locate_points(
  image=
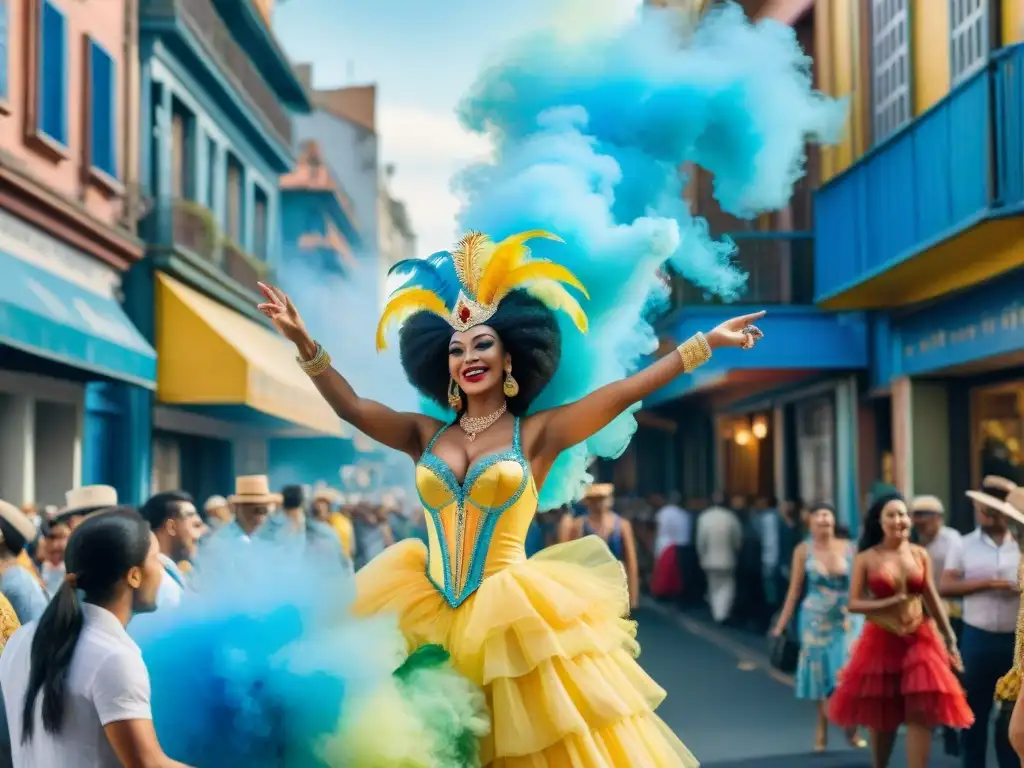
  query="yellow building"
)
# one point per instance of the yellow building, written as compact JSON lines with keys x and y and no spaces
{"x":918,"y":223}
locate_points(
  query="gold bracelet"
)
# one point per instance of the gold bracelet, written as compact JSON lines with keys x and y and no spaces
{"x":319,"y":363}
{"x":695,"y":351}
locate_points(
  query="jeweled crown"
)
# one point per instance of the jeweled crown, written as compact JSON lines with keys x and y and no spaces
{"x":479,"y":273}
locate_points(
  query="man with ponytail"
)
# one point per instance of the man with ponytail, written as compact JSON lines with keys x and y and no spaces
{"x":76,"y":690}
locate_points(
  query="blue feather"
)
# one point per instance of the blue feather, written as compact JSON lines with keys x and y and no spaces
{"x":435,"y":273}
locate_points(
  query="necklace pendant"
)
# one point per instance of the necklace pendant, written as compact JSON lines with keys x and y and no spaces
{"x":471,"y":436}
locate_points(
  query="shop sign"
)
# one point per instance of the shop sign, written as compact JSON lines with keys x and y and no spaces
{"x":971,"y":326}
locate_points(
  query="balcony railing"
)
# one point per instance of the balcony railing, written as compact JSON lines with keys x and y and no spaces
{"x":202,"y":20}
{"x":957,"y":163}
{"x":187,"y":226}
{"x":779,"y":267}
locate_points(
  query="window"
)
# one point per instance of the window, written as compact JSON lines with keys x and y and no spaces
{"x":259,"y":216}
{"x":968,"y":38}
{"x":52,"y":74}
{"x":103,"y":110}
{"x":815,"y":446}
{"x":235,"y":190}
{"x":890,"y":66}
{"x":5,"y":55}
{"x":182,"y":152}
{"x":211,"y":172}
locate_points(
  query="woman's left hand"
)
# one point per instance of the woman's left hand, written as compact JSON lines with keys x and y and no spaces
{"x":955,"y":660}
{"x":739,"y":332}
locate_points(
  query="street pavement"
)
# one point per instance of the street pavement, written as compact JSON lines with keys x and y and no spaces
{"x":730,"y":707}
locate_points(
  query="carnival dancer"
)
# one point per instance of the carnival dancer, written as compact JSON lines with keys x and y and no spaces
{"x":480,"y":336}
{"x":826,"y":630}
{"x":900,"y":673}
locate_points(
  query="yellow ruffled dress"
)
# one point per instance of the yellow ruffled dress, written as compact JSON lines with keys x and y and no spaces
{"x":544,"y":637}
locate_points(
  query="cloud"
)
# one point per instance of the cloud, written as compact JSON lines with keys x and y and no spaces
{"x":427,"y":148}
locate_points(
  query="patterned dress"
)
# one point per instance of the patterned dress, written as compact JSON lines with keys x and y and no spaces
{"x":827,"y":629}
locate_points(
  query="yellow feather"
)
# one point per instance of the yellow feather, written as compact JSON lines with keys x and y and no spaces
{"x":541,"y":270}
{"x":405,"y":303}
{"x":507,"y":255}
{"x":556,"y":298}
{"x":469,"y":256}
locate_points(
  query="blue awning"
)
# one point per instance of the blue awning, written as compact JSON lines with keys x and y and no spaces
{"x":48,"y":316}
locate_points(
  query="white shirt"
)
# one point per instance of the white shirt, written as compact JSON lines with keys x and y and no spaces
{"x":938,"y":549}
{"x":977,"y":556}
{"x":172,"y":584}
{"x":719,"y":538}
{"x":107,"y":682}
{"x":768,"y":522}
{"x":673,"y":528}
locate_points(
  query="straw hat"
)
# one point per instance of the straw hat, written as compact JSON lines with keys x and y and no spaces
{"x":930,"y":505}
{"x":18,"y":520}
{"x":253,"y":489}
{"x":994,"y":494}
{"x":88,"y":498}
{"x":1012,"y":507}
{"x":599,"y":491}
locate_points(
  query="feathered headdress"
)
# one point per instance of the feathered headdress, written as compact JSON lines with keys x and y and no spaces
{"x":465,"y":286}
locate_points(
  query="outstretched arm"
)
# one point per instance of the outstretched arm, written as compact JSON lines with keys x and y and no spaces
{"x":406,"y":432}
{"x":571,"y":424}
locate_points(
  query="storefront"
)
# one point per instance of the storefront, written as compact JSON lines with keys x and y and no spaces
{"x":71,"y":364}
{"x":226,"y":387}
{"x":956,"y":375}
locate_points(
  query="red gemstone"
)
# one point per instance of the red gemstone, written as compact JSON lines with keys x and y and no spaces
{"x":464,"y":313}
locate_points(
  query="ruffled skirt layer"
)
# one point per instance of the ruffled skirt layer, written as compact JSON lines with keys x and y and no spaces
{"x":546,"y":641}
{"x":892,"y":679}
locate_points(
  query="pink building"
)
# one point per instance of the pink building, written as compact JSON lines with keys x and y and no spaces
{"x":68,"y":154}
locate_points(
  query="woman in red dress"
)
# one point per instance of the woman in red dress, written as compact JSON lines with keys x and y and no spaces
{"x":900,"y":672}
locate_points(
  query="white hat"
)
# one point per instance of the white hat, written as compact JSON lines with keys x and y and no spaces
{"x":88,"y":498}
{"x":215,"y":502}
{"x":18,"y":520}
{"x":1012,"y":508}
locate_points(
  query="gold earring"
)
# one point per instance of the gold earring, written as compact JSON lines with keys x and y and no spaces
{"x":454,"y":396}
{"x":510,"y":386}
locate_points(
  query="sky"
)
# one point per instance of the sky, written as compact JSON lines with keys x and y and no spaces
{"x":423,"y":56}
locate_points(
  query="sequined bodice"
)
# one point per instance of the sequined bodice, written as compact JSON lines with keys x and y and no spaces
{"x":882,"y":583}
{"x":480,"y":526}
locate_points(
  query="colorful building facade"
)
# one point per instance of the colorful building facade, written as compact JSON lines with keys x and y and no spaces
{"x":217,"y":99}
{"x":918,"y":224}
{"x":71,"y":362}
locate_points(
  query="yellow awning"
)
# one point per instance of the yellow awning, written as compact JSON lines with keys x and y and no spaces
{"x":209,"y":355}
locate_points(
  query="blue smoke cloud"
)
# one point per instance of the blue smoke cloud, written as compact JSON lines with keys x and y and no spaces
{"x":590,"y":134}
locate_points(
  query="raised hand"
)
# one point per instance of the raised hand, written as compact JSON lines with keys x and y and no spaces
{"x":283,"y":314}
{"x":738,"y":332}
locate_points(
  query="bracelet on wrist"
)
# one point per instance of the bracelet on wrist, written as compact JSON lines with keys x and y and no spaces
{"x":694,"y":352}
{"x":317,"y":364}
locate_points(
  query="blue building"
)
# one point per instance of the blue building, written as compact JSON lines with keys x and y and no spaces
{"x":920,"y":226}
{"x":216,"y":102}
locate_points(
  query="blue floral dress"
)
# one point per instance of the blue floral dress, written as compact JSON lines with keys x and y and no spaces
{"x":827,"y":630}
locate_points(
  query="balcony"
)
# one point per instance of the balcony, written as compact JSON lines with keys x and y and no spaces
{"x":200,"y":20}
{"x":186,"y":241}
{"x":800,"y":340}
{"x":936,"y":207}
{"x":779,"y":267}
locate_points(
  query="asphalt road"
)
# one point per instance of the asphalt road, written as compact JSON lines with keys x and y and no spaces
{"x":731,"y":708}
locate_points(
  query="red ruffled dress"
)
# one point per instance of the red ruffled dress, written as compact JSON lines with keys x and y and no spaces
{"x":892,"y":679}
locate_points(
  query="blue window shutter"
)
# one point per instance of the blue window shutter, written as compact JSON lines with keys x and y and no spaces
{"x":5,"y":26}
{"x":103,"y":78}
{"x":53,"y":73}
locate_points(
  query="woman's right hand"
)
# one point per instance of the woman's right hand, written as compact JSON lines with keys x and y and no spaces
{"x":776,"y":631}
{"x":283,"y":314}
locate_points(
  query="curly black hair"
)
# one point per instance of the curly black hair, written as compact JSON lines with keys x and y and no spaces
{"x":871,"y":533}
{"x":528,"y":331}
